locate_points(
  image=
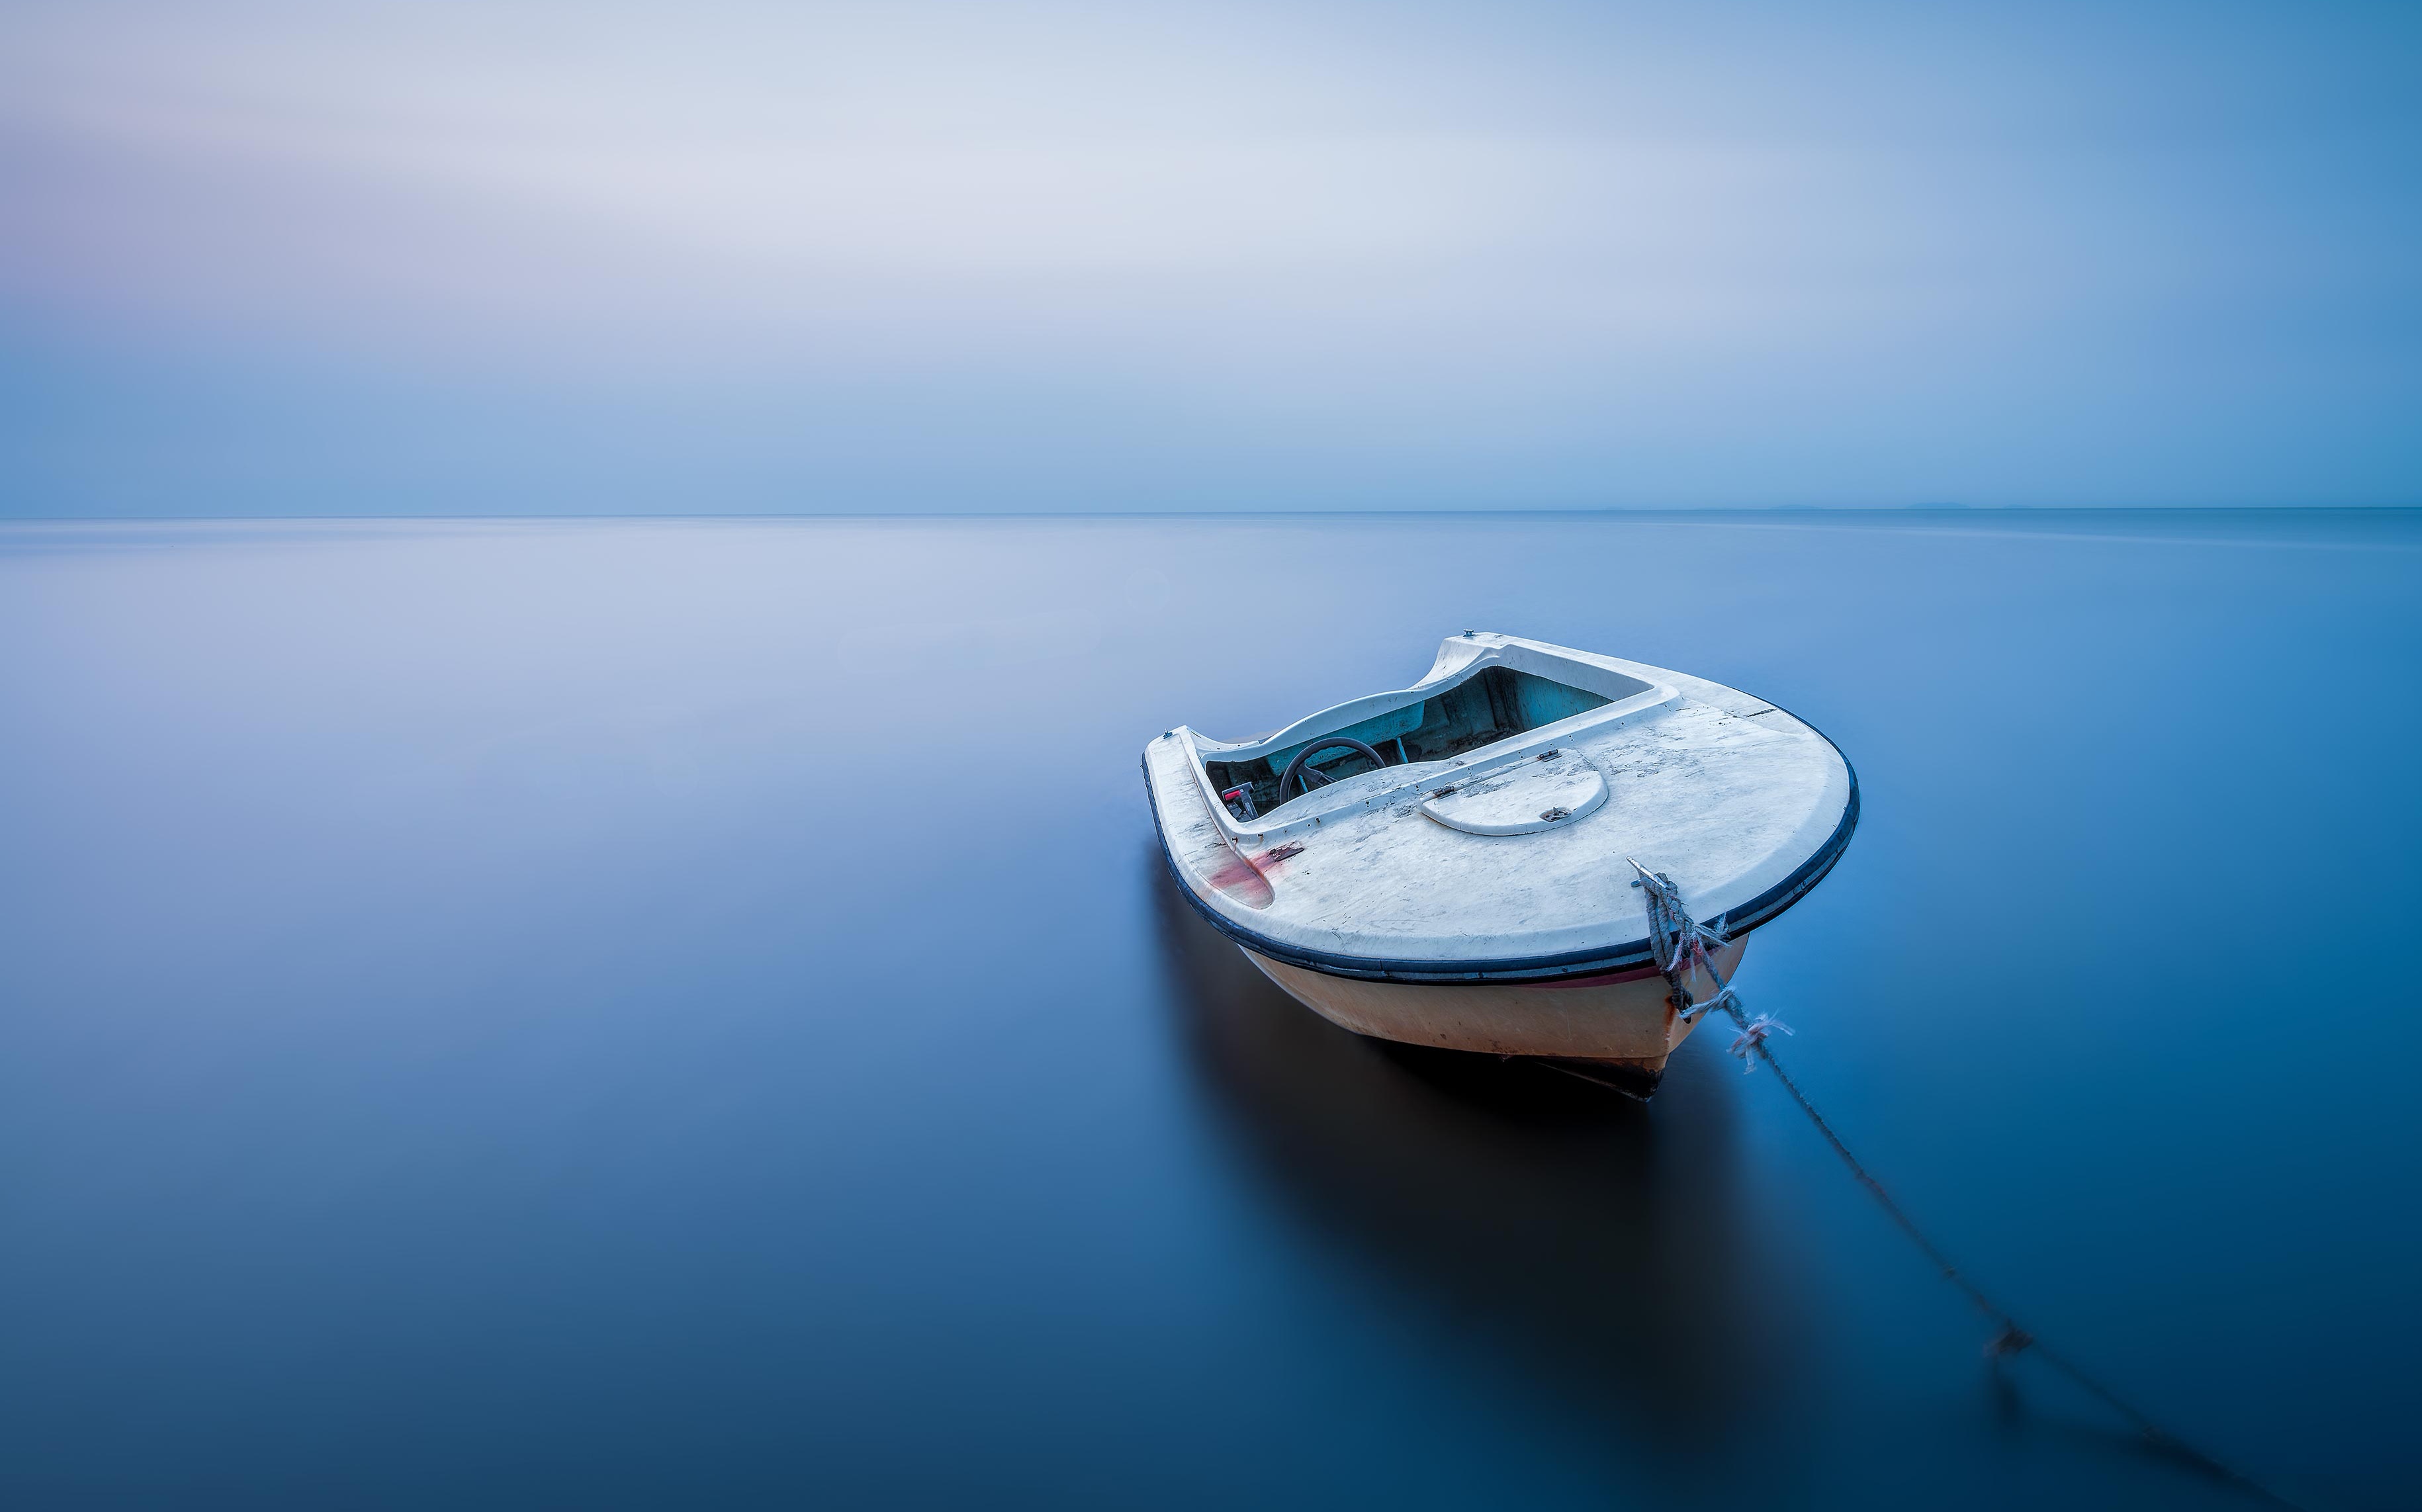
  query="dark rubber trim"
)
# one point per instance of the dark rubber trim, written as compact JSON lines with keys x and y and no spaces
{"x":1758,"y":910}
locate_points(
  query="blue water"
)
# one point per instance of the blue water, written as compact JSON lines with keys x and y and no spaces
{"x":689,"y":1014}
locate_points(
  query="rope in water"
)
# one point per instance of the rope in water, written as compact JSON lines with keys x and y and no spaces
{"x":1681,"y":943}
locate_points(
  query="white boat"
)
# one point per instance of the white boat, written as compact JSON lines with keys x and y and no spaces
{"x":1452,"y":864}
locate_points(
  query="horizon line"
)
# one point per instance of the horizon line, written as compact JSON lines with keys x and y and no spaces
{"x":1416,"y":512}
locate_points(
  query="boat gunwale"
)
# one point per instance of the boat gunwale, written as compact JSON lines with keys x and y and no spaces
{"x":1762,"y":909}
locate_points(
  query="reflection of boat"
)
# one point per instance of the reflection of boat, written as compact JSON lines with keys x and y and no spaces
{"x":1447,"y":864}
{"x":1605,"y":1248}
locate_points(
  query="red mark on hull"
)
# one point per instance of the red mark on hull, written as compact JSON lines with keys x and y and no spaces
{"x":1236,"y":878}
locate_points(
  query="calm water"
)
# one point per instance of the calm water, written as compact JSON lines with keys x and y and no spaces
{"x":637,"y":1014}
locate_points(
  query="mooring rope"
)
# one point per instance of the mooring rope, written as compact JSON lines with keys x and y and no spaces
{"x":1680,"y":943}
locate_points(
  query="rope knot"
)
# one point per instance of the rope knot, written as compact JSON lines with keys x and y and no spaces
{"x":1725,"y":998}
{"x":1676,"y":940}
{"x":1751,"y":1042}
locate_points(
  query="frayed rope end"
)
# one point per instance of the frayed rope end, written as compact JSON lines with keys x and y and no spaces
{"x":1752,"y":1038}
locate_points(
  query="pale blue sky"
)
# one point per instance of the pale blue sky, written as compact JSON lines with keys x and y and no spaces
{"x":334,"y":259}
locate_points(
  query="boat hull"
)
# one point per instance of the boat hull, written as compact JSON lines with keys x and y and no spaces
{"x":1623,"y":1021}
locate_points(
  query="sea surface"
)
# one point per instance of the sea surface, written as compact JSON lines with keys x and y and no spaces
{"x":633,"y":1014}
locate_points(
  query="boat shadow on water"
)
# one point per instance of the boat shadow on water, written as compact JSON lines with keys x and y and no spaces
{"x":1603,"y":1247}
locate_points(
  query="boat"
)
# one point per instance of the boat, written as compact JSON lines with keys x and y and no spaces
{"x":1477,"y":861}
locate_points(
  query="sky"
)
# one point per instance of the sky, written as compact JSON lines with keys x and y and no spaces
{"x":331,"y":259}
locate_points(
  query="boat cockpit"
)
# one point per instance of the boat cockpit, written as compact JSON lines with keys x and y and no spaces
{"x":1493,"y":704}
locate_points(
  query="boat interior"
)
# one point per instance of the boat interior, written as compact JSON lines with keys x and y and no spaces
{"x":1492,"y":705}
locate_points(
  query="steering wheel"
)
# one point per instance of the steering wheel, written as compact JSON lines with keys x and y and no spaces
{"x":1305,"y":778}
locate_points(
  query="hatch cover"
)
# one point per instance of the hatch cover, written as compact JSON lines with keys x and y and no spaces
{"x":1523,"y":799}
